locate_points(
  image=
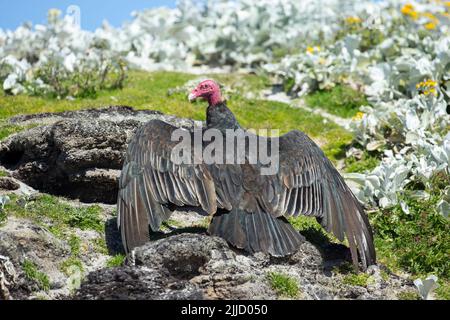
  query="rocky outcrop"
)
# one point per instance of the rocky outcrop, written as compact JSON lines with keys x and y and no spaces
{"x":197,"y":266}
{"x":77,"y":154}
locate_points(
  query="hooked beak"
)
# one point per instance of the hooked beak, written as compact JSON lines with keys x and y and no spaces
{"x":192,"y":97}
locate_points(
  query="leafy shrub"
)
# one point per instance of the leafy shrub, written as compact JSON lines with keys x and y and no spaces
{"x":418,"y":241}
{"x":85,"y":81}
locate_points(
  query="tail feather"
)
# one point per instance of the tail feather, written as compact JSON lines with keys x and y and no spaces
{"x":256,"y":232}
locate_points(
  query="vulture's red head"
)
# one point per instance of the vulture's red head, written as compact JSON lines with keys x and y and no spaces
{"x":208,"y":90}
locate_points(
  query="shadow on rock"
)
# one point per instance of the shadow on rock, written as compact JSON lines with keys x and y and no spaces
{"x":113,"y":238}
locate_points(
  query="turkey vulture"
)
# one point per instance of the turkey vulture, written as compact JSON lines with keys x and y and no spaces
{"x":248,"y":209}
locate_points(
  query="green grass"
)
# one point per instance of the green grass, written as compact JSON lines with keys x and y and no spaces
{"x":443,"y":292}
{"x":32,"y":273}
{"x":358,"y":279}
{"x":67,"y":265}
{"x":57,"y":215}
{"x":9,"y":129}
{"x":341,"y":100}
{"x":284,"y":285}
{"x":100,"y":245}
{"x":408,"y":295}
{"x":145,"y":90}
{"x":75,"y":244}
{"x":367,"y":163}
{"x":3,"y":217}
{"x":311,"y":230}
{"x":116,"y":261}
{"x":169,"y":224}
{"x":418,"y":242}
{"x":60,"y":218}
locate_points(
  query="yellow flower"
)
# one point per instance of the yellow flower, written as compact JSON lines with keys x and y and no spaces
{"x":311,"y":50}
{"x":430,"y":26}
{"x":358,"y":116}
{"x":427,"y":87}
{"x":408,"y":10}
{"x":353,"y":20}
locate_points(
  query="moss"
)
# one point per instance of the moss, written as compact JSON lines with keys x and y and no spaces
{"x":32,"y":273}
{"x":284,"y":285}
{"x":408,"y":295}
{"x":341,"y":100}
{"x":358,"y":279}
{"x":116,"y":261}
{"x":3,"y":173}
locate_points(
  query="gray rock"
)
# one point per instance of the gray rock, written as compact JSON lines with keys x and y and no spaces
{"x":199,"y":266}
{"x":129,"y":283}
{"x":77,"y":154}
{"x":20,"y":241}
{"x":8,"y":277}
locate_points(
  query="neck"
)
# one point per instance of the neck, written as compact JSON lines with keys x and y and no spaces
{"x":215,"y":99}
{"x":220,"y":117}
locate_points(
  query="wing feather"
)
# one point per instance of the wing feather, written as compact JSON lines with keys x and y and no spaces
{"x":310,"y":185}
{"x":150,"y":182}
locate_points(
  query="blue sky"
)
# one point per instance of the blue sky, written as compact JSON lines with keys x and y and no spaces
{"x":14,"y":12}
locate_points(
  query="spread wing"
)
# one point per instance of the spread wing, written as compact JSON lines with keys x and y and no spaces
{"x":150,"y":181}
{"x":308,"y":184}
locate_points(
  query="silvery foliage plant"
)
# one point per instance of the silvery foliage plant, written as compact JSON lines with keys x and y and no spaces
{"x":414,"y":136}
{"x":244,"y":34}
